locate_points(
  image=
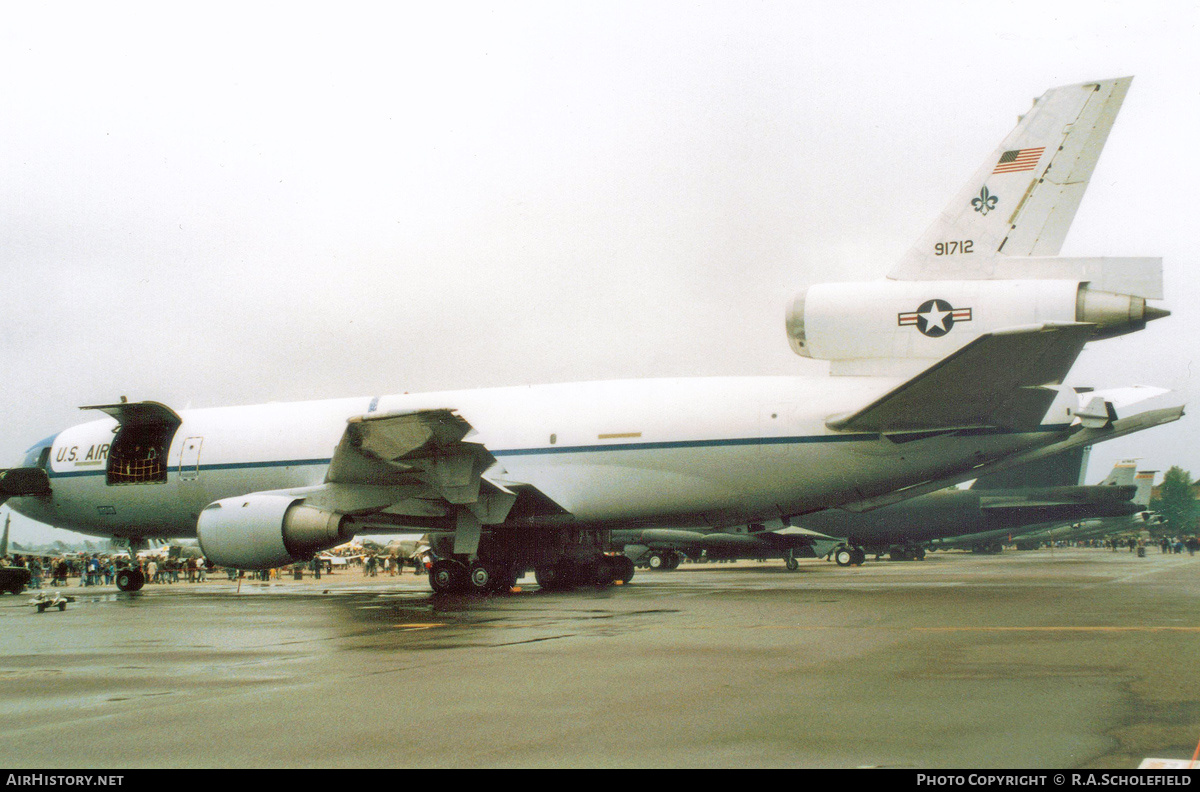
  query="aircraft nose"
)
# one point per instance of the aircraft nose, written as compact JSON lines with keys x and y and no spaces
{"x":38,"y":454}
{"x":31,"y":477}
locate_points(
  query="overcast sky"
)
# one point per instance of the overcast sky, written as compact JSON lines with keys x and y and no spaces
{"x":230,"y":203}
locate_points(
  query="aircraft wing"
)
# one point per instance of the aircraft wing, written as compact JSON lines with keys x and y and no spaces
{"x":418,"y":469}
{"x":995,"y":381}
{"x":1083,"y":437}
{"x":1053,"y":497}
{"x":1023,"y":198}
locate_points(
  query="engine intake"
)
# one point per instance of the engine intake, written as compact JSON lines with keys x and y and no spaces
{"x":266,"y":531}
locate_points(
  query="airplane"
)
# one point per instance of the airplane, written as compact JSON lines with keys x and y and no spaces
{"x":958,"y":359}
{"x":904,"y":530}
{"x":1032,"y":495}
{"x":663,"y":548}
{"x":1123,"y":477}
{"x":1139,"y":520}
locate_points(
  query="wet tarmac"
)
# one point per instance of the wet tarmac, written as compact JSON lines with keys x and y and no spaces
{"x":1045,"y":659}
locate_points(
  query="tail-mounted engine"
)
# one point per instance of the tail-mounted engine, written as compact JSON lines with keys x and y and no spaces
{"x":890,"y":319}
{"x":261,"y":531}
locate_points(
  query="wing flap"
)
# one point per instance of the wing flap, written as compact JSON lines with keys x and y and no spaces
{"x":419,"y":464}
{"x":995,"y":381}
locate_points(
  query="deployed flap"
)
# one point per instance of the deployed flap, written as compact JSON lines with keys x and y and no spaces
{"x":1023,"y":198}
{"x":425,"y":454}
{"x":994,"y":381}
{"x":385,"y":448}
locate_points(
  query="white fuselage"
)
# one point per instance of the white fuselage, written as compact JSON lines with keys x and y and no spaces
{"x":717,"y":451}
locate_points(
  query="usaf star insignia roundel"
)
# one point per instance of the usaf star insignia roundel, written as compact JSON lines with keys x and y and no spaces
{"x":934,"y":318}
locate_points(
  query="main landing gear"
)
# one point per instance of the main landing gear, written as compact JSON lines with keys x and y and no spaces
{"x":452,"y":576}
{"x":907,"y":553}
{"x":560,"y":561}
{"x":844,"y":555}
{"x":663,"y":559}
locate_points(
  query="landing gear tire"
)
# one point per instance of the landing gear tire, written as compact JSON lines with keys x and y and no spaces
{"x":792,"y":564}
{"x":624,"y":569}
{"x":552,"y":578}
{"x":859,"y":556}
{"x":673,"y":560}
{"x":843,"y":556}
{"x":605,"y":573}
{"x":130,"y":580}
{"x":657,"y":561}
{"x":481,"y":578}
{"x":447,"y":577}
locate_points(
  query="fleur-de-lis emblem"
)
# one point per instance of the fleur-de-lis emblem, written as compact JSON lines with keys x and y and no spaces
{"x":986,"y":202}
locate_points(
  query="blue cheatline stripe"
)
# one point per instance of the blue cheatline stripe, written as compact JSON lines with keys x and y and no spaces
{"x":585,"y":449}
{"x":174,"y":469}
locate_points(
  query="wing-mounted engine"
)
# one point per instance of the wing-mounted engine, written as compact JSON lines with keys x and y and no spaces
{"x":860,"y":325}
{"x":265,"y":530}
{"x":392,"y":470}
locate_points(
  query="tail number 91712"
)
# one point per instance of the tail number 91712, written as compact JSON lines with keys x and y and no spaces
{"x":953,"y":248}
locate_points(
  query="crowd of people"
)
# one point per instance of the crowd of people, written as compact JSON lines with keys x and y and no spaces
{"x":97,"y":569}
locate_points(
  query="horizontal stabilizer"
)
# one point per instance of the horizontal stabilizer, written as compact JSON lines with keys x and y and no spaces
{"x":995,"y":381}
{"x":1140,"y":277}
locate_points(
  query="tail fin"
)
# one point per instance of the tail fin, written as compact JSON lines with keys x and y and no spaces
{"x":1023,"y":198}
{"x":1122,"y":474}
{"x":1061,"y":470}
{"x":990,"y":261}
{"x":1145,"y":484}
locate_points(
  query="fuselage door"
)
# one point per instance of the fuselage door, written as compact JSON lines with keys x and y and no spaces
{"x":138,"y":453}
{"x":189,"y":459}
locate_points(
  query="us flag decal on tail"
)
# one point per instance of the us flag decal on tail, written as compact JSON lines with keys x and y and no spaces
{"x":1019,"y":160}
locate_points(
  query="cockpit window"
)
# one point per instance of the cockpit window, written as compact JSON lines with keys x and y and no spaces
{"x":38,"y":454}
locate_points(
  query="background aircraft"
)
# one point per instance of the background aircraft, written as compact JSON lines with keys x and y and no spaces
{"x":1032,"y":495}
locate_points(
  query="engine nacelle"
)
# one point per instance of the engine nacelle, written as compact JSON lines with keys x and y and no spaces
{"x":930,"y":319}
{"x":261,"y":531}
